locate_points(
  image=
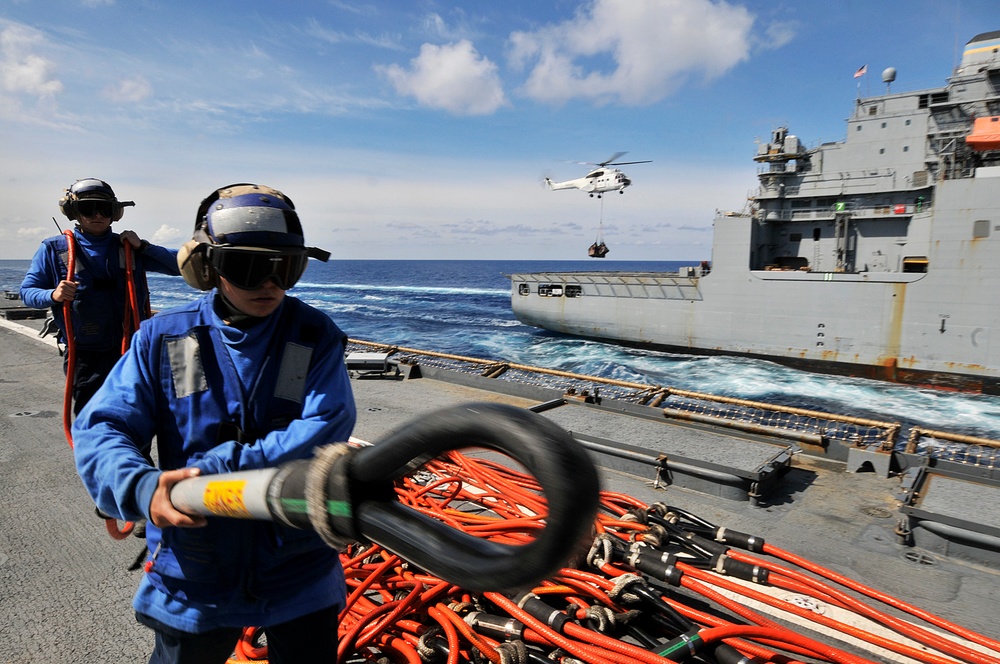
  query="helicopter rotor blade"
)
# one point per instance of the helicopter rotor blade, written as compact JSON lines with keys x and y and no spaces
{"x":623,"y":163}
{"x":611,"y":158}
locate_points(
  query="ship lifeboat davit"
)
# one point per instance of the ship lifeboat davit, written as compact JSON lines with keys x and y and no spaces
{"x":985,"y":134}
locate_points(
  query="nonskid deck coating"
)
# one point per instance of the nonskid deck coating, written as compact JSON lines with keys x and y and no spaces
{"x":720,"y":450}
{"x":961,"y":500}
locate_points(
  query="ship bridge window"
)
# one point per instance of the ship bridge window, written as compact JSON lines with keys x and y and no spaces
{"x":925,"y":100}
{"x":981,"y":228}
{"x":574,"y":290}
{"x":915,"y":263}
{"x":523,"y":289}
{"x":550,"y":290}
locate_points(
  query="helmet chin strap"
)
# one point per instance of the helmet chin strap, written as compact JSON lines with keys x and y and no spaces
{"x":83,"y":230}
{"x":232,"y":316}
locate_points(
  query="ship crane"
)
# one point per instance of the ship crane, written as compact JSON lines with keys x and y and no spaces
{"x":782,"y":147}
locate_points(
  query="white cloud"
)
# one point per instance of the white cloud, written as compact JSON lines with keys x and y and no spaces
{"x":453,"y":77}
{"x":129,"y":90}
{"x":632,"y":51}
{"x":440,"y":30}
{"x":33,"y":233}
{"x":169,"y":236}
{"x":21,"y":70}
{"x":778,"y":34}
{"x":385,"y":40}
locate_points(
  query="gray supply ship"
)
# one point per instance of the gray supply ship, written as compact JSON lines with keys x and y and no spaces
{"x":876,"y":256}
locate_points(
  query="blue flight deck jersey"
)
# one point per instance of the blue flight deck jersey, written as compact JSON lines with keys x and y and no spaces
{"x":224,"y":400}
{"x":99,"y":307}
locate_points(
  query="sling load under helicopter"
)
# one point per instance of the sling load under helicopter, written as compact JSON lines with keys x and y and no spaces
{"x":598,"y":249}
{"x":601,"y":179}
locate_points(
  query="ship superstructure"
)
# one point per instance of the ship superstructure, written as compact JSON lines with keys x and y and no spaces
{"x":877,"y":255}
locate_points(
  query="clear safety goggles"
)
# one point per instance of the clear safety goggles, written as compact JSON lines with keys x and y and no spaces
{"x":251,"y":267}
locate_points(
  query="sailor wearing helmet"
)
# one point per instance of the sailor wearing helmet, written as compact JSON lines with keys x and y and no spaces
{"x":243,"y":378}
{"x":98,"y":290}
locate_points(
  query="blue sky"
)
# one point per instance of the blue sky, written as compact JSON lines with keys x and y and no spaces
{"x":423,"y":129}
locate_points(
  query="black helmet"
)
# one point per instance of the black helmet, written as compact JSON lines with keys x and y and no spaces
{"x":91,"y":189}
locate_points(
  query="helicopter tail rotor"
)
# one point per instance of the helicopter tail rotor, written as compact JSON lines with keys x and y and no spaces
{"x":545,"y":180}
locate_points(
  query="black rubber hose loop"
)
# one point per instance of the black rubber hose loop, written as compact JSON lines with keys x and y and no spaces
{"x":561,"y":466}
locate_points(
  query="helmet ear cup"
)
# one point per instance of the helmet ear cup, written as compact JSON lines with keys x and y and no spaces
{"x":118,"y":208}
{"x":194,"y":267}
{"x":67,"y":205}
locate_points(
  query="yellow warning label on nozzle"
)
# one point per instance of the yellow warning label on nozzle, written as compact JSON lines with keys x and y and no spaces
{"x":225,"y":498}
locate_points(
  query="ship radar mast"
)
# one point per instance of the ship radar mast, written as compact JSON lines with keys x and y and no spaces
{"x":888,"y":76}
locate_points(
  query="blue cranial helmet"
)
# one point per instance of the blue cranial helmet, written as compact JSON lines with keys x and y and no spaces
{"x":249,"y":215}
{"x":247,"y":233}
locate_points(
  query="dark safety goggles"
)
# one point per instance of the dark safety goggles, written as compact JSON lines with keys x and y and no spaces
{"x":91,"y":208}
{"x":249,"y":267}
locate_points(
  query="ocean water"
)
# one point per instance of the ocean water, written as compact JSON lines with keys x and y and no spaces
{"x":463,"y":308}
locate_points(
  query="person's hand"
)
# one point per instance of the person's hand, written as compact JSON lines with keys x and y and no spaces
{"x":131,"y":238}
{"x":162,"y":512}
{"x":65,"y":291}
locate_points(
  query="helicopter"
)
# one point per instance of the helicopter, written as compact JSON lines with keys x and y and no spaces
{"x":601,"y":179}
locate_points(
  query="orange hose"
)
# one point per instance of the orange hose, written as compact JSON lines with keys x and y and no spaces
{"x":463,"y":628}
{"x":894,"y":602}
{"x":450,"y":633}
{"x":391,"y":605}
{"x":132,"y":317}
{"x":827,"y":652}
{"x":856,"y":632}
{"x":70,"y":346}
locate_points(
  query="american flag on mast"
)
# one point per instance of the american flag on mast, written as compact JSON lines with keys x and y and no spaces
{"x":861,"y":71}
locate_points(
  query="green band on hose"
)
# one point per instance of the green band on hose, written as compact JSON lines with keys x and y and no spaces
{"x":333,"y":507}
{"x":689,"y":644}
{"x":339,"y":508}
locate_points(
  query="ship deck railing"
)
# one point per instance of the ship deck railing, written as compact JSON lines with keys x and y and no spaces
{"x":805,"y":427}
{"x":856,"y":212}
{"x":964,"y":449}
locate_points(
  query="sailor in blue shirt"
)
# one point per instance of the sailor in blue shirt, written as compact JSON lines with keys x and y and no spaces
{"x":98,"y":290}
{"x":243,"y":378}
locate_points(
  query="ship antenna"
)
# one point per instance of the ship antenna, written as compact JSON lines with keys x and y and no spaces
{"x":954,"y":54}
